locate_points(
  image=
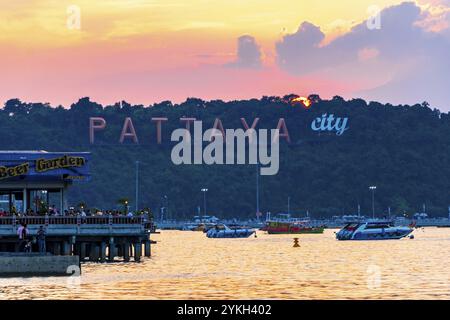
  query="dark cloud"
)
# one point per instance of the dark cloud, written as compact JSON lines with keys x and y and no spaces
{"x":248,"y":53}
{"x":416,"y":61}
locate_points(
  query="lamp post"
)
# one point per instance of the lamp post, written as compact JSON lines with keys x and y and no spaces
{"x":373,"y":188}
{"x":257,"y":191}
{"x":204,"y":190}
{"x":289,"y":205}
{"x":137,"y":186}
{"x":167,"y":206}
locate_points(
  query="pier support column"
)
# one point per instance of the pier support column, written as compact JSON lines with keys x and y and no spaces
{"x":147,"y":248}
{"x":126,"y":251}
{"x":102,"y":251}
{"x":94,"y":253}
{"x":76,"y":249}
{"x":137,"y":251}
{"x":82,"y":251}
{"x":56,"y":248}
{"x":112,"y":251}
{"x":66,"y":249}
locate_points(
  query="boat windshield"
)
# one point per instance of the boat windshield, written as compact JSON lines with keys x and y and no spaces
{"x":351,"y":226}
{"x":377,"y":226}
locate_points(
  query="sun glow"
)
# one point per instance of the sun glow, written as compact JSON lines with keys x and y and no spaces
{"x":303,"y":101}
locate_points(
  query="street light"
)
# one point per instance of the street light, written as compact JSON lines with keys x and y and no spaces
{"x":373,"y":188}
{"x":126,"y":207}
{"x":204,"y":190}
{"x":289,"y":205}
{"x":137,"y":186}
{"x":166,"y":207}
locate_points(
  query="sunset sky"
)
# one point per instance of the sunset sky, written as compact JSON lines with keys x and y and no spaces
{"x":146,"y":51}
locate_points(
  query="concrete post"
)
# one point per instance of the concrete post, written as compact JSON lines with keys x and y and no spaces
{"x":76,"y":249}
{"x":82,"y":251}
{"x":147,"y":248}
{"x":102,"y":251}
{"x":126,"y":251}
{"x":94,"y":253}
{"x":112,"y":251}
{"x":120,"y":250}
{"x":137,"y":251}
{"x":56,"y":248}
{"x":67,"y":249}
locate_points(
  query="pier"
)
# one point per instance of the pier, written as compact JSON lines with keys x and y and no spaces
{"x":28,"y":182}
{"x":94,"y":239}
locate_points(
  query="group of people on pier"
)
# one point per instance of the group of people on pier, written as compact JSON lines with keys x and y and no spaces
{"x":25,"y":243}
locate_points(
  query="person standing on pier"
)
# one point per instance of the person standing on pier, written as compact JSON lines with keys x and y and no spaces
{"x":22,"y":232}
{"x":41,"y":239}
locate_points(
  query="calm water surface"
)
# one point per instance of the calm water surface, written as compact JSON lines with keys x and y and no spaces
{"x":187,"y":265}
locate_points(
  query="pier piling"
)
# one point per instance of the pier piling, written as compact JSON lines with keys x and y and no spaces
{"x":94,"y":254}
{"x":147,"y":250}
{"x":66,"y":249}
{"x":137,"y":251}
{"x":82,"y":251}
{"x":102,"y":251}
{"x":126,"y":251}
{"x":56,"y":248}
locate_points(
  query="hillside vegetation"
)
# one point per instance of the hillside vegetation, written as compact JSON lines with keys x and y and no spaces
{"x":403,"y":150}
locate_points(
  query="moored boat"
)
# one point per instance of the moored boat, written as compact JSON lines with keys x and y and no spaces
{"x":222,"y":231}
{"x":373,"y":230}
{"x":284,"y":224}
{"x":200,"y":223}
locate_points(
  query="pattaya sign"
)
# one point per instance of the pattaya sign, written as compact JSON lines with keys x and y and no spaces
{"x":330,"y":123}
{"x":42,"y":166}
{"x":11,"y":172}
{"x":327,"y":122}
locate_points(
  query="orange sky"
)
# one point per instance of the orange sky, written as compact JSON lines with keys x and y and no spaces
{"x":144,"y":51}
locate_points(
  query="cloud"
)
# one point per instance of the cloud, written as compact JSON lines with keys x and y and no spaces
{"x":402,"y":62}
{"x":248,"y":54}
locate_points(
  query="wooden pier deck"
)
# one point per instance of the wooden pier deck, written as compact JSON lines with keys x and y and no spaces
{"x":95,"y":239}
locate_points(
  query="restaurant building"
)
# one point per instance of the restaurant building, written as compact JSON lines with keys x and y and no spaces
{"x":35,"y":179}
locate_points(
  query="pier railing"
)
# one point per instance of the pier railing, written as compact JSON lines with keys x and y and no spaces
{"x":78,"y":225}
{"x":76,"y":220}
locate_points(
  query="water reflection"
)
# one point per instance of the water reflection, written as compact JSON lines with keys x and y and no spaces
{"x":187,"y":265}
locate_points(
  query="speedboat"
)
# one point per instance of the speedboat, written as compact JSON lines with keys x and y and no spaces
{"x":373,"y":230}
{"x":222,"y":231}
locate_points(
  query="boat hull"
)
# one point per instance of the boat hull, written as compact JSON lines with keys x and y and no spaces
{"x":245,"y":233}
{"x":393,"y":233}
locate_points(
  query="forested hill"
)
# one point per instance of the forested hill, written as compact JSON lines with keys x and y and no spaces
{"x":403,"y":150}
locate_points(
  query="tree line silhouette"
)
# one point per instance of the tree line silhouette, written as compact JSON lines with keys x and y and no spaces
{"x":404,"y":150}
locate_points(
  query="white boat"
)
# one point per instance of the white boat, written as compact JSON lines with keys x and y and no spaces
{"x":222,"y":231}
{"x":373,"y":230}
